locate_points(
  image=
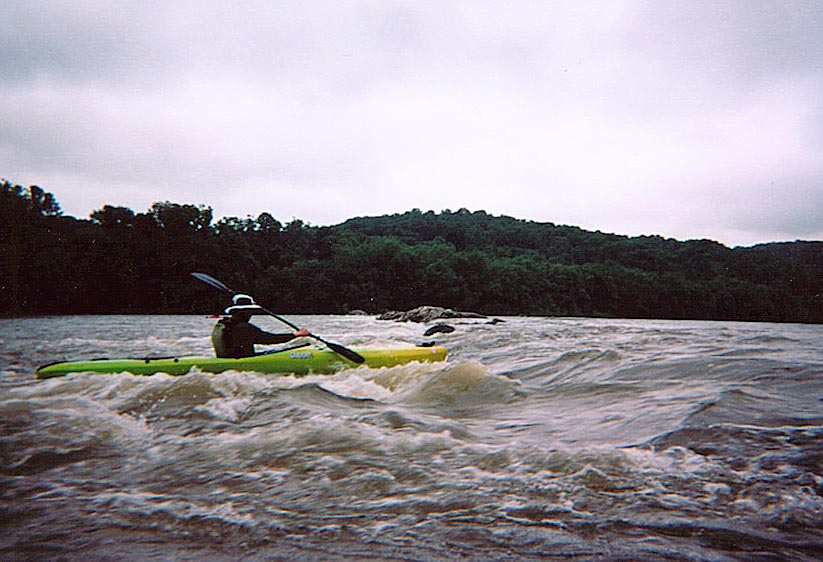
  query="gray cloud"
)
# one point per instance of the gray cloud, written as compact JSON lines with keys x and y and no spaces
{"x":688,"y":120}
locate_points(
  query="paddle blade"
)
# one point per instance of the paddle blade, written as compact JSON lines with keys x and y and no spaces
{"x":209,"y":280}
{"x":352,"y":356}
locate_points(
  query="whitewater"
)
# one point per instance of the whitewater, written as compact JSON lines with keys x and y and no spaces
{"x":537,"y":439}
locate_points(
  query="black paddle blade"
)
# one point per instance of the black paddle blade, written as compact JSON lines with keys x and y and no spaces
{"x":209,"y":280}
{"x":352,"y":356}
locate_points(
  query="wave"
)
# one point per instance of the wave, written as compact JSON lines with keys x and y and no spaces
{"x":537,"y":438}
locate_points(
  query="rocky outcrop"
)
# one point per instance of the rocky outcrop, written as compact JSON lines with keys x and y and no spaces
{"x":439,"y":328}
{"x":425,"y":314}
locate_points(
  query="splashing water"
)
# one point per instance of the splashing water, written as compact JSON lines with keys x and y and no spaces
{"x":538,"y":439}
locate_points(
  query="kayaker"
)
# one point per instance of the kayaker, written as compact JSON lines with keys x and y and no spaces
{"x":234,"y":336}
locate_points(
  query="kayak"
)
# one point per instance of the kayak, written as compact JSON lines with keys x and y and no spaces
{"x":299,"y":361}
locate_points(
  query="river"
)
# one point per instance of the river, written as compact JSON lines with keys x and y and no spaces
{"x":538,"y":439}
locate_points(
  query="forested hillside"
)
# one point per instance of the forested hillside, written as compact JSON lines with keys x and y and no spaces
{"x":120,"y":261}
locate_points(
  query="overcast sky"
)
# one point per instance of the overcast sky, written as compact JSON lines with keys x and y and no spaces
{"x":686,"y":119}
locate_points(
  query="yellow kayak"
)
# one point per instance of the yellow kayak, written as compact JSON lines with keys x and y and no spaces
{"x":300,"y":361}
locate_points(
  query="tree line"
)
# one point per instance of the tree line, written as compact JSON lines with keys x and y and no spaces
{"x":121,"y":261}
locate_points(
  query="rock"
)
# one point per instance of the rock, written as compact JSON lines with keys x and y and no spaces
{"x":457,"y":314}
{"x":392,"y":315}
{"x":439,"y":329}
{"x":426,"y":314}
{"x":358,"y":313}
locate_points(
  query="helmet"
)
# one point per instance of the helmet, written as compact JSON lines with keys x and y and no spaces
{"x":242,"y":303}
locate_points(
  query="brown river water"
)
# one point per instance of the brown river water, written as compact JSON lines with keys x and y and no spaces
{"x":538,"y":439}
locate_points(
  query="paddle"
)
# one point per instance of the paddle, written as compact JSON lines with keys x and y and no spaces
{"x":336,"y":347}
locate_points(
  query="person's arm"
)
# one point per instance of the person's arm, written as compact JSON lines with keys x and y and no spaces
{"x":263,"y":337}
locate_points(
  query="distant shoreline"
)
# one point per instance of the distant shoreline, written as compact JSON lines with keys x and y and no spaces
{"x":122,"y":262}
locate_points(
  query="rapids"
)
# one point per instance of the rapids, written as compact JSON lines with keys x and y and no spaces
{"x":538,"y":439}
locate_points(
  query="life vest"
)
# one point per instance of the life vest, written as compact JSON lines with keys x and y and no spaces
{"x":219,"y":340}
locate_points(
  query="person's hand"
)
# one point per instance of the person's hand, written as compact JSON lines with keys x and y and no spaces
{"x":302,"y":332}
